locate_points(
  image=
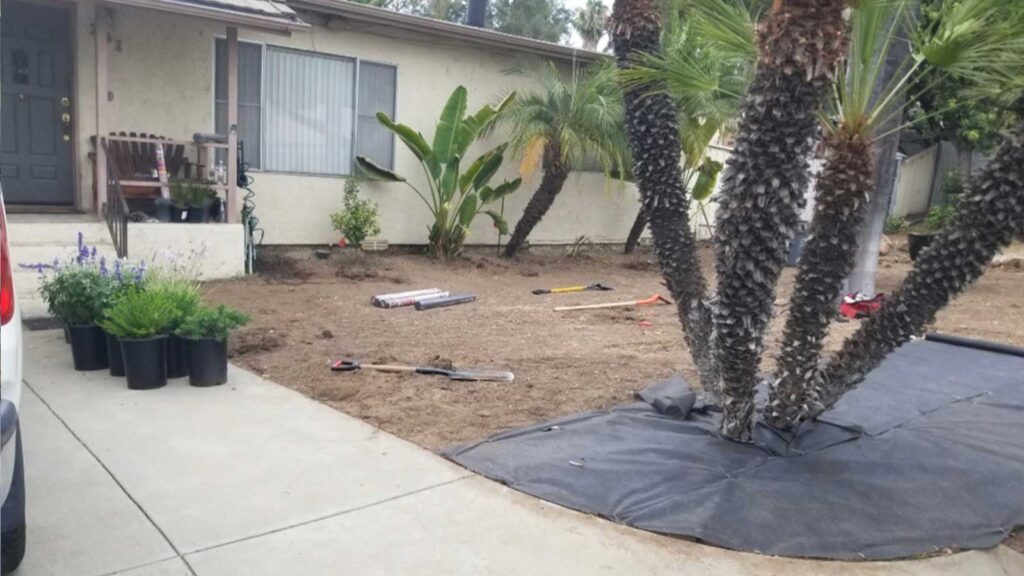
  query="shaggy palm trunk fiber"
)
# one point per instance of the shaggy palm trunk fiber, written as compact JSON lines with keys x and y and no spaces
{"x":555,"y":174}
{"x":634,"y":233}
{"x":653,"y":132}
{"x":826,"y":261}
{"x":987,"y":217}
{"x":764,"y":187}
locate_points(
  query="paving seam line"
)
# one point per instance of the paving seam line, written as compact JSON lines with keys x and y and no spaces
{"x":332,"y":515}
{"x":112,"y":477}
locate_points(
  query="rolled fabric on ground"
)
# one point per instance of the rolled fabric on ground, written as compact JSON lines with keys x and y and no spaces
{"x":441,"y":302}
{"x":405,"y":298}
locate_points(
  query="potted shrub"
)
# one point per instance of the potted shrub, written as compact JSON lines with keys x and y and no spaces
{"x":141,"y":319}
{"x":125,"y":277}
{"x":206,"y":336}
{"x":76,"y":293}
{"x":201,"y":199}
{"x":180,"y":196}
{"x":183,"y":297}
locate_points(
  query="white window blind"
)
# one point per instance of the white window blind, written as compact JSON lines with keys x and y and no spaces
{"x":308,"y":112}
{"x":376,"y":94}
{"x":302,"y":112}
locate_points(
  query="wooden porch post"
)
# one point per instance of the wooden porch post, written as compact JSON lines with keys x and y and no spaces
{"x":102,"y":25}
{"x":232,"y":160}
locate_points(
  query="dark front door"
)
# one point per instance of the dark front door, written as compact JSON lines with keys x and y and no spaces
{"x":35,"y":133}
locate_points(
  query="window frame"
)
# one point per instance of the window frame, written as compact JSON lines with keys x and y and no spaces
{"x":263,"y":109}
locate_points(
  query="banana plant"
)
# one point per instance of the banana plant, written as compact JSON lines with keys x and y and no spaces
{"x":455,"y":196}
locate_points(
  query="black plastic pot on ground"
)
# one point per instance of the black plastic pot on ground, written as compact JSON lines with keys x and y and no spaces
{"x":177,"y":357}
{"x":207,"y":362}
{"x":114,"y":355}
{"x":145,"y":362}
{"x":917,"y":242}
{"x":88,"y":347}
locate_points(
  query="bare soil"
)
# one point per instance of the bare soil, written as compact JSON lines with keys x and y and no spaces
{"x":308,"y":311}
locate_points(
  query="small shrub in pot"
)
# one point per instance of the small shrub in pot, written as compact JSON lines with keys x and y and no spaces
{"x":76,"y":292}
{"x":206,"y":333}
{"x":126,"y":277}
{"x":141,"y":320}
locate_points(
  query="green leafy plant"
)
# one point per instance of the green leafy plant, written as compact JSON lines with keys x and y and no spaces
{"x":456,"y":196}
{"x":895,"y":224}
{"x":77,"y":294}
{"x":359,"y":220}
{"x":939,"y":217}
{"x":140,"y":314}
{"x":185,"y":193}
{"x":211,"y":323}
{"x":182,"y":296}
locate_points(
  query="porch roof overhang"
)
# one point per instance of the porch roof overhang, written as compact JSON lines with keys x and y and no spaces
{"x":265,"y":15}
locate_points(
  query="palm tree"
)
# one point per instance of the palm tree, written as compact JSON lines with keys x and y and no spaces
{"x":561,"y":125}
{"x":979,"y":39}
{"x":653,"y":130}
{"x":590,"y":22}
{"x":706,"y":69}
{"x":800,"y":43}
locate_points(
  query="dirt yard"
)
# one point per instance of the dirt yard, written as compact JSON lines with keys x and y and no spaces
{"x":307,"y":311}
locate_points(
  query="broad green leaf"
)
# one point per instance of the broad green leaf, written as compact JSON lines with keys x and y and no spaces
{"x":707,"y":177}
{"x":485,"y":194}
{"x":449,"y":179}
{"x":448,"y":127}
{"x":504,"y":189}
{"x":467,"y":177}
{"x":412,"y":139}
{"x":491,"y":163}
{"x":506,"y":102}
{"x":468,"y":210}
{"x":499,"y":221}
{"x":375,"y":171}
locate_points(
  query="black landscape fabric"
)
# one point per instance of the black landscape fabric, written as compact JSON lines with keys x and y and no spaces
{"x":927,"y":454}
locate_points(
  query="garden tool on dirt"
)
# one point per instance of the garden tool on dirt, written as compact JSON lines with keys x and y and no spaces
{"x":462,"y":375}
{"x":595,"y":286}
{"x":645,"y":302}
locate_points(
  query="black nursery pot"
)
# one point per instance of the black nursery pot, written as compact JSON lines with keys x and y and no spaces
{"x":178,"y":214}
{"x":207,"y":362}
{"x":145,"y":362}
{"x":88,"y":347}
{"x":198,"y":214}
{"x":114,"y":355}
{"x":177,"y":357}
{"x":916,"y":243}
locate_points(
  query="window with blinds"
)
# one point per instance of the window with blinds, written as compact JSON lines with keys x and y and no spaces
{"x":307,"y":112}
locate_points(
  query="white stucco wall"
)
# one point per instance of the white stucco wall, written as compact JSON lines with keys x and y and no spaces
{"x":222,"y":246}
{"x":162,"y":80}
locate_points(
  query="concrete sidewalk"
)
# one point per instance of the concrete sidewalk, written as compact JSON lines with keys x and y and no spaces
{"x":254,"y":479}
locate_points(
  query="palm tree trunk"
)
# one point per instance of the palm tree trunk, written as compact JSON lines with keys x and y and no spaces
{"x":828,"y":256}
{"x":653,"y":132}
{"x":555,"y":174}
{"x":634,"y":233}
{"x":988,"y":215}
{"x":764,"y":186}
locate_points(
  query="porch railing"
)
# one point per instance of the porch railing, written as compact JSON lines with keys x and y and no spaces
{"x":115,"y":210}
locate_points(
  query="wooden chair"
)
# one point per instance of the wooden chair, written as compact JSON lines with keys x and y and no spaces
{"x":135,"y":161}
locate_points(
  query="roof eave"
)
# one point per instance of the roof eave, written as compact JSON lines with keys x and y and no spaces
{"x":243,"y":19}
{"x":370,"y":14}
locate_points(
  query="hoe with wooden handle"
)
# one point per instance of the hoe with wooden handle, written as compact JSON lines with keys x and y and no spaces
{"x":657,"y":298}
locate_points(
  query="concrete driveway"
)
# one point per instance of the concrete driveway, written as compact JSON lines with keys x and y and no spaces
{"x":254,"y":479}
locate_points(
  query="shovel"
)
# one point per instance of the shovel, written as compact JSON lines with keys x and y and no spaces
{"x":461,"y":375}
{"x":596,"y":286}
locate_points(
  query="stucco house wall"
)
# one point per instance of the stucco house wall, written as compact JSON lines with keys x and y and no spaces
{"x":162,"y":83}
